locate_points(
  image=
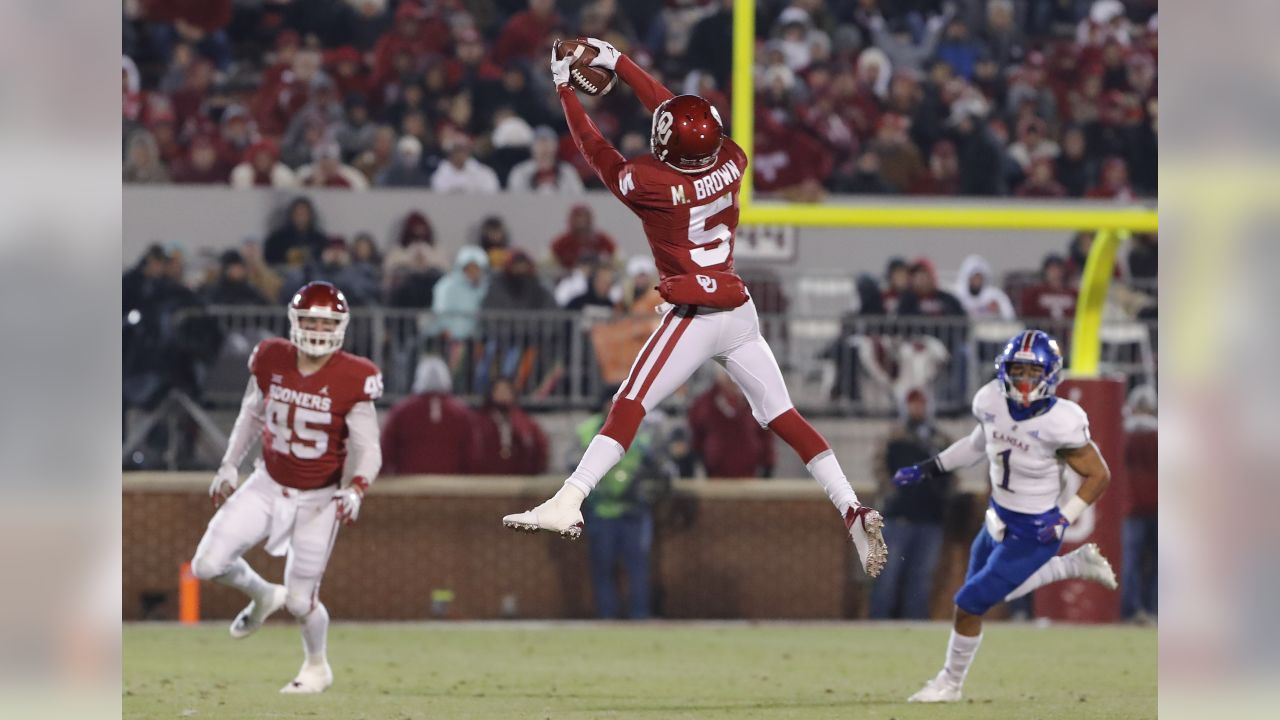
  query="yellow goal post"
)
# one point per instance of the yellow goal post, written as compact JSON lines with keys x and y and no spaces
{"x":1113,"y":223}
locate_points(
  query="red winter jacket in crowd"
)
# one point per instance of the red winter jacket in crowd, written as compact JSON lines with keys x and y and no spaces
{"x":1141,"y":458}
{"x":508,"y":442}
{"x":522,"y":37}
{"x":429,"y":433}
{"x":1042,"y":301}
{"x":208,"y":15}
{"x":726,"y":436}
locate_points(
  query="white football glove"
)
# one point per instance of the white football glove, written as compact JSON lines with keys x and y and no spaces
{"x":560,"y":68}
{"x":225,"y":482}
{"x":607,"y":57}
{"x":349,"y":499}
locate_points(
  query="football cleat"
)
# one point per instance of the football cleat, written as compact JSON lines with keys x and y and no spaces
{"x":257,"y":611}
{"x":865,"y":528}
{"x":937,"y":690}
{"x":1093,"y":565}
{"x":553,"y":516}
{"x":311,"y":679}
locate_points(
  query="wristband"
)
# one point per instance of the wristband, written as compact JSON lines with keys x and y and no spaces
{"x":931,"y":468}
{"x":1073,"y":508}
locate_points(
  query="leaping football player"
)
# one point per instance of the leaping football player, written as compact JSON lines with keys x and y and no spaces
{"x":1029,"y":437}
{"x":312,"y":404}
{"x":685,"y":193}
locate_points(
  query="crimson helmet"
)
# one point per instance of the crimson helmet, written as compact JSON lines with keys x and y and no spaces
{"x":687,"y":133}
{"x":318,"y":300}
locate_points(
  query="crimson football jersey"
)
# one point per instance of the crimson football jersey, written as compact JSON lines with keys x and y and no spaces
{"x":304,"y":441}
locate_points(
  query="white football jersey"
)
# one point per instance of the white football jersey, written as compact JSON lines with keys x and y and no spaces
{"x":1027,"y":476}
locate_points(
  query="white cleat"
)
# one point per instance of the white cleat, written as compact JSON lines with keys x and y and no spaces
{"x":553,"y":516}
{"x":311,"y":679}
{"x":1093,"y":565}
{"x":865,"y":526}
{"x":257,"y":611}
{"x":937,"y":690}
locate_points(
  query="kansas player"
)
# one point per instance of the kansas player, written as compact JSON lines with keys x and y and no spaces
{"x":312,"y":404}
{"x":1028,"y":436}
{"x":686,"y":195}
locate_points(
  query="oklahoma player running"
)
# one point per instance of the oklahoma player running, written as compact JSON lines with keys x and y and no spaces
{"x":685,"y":194}
{"x":312,"y":405}
{"x":1028,"y":436}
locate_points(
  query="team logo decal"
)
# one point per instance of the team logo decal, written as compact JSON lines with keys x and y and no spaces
{"x":708,"y":283}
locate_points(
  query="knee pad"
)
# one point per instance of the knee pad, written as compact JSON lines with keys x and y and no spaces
{"x":299,"y":605}
{"x":623,"y":421}
{"x":205,"y":567}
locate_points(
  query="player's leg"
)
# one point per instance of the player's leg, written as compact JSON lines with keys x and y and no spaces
{"x":314,"y":531}
{"x":753,"y":367}
{"x":241,"y":522}
{"x":602,"y":553}
{"x":681,"y":344}
{"x":1084,"y":563}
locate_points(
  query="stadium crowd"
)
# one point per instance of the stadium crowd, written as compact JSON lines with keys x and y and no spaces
{"x":1028,"y":98}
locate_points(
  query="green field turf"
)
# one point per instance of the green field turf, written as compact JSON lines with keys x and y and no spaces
{"x":398,"y":672}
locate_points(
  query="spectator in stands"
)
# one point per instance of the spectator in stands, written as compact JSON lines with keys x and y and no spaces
{"x":1144,"y":261}
{"x":1078,"y":254}
{"x":913,"y":516}
{"x":1138,"y":587}
{"x":262,"y":168}
{"x":518,"y":288}
{"x":581,"y":242}
{"x":979,"y":151}
{"x":924,"y":297}
{"x":600,"y":292}
{"x":895,"y":39}
{"x":866,"y":178}
{"x":1113,"y":181}
{"x":429,"y":432}
{"x":416,"y":34}
{"x":707,"y":41}
{"x":727,"y":439}
{"x":621,"y":517}
{"x":900,"y":163}
{"x":355,"y":133}
{"x":959,"y":49}
{"x":1040,"y":182}
{"x":897,"y":282}
{"x":417,"y":237}
{"x":232,"y":284}
{"x":544,"y":172}
{"x":457,"y":297}
{"x":366,"y":261}
{"x":405,"y":169}
{"x":462,"y":173}
{"x":977,"y":292}
{"x":943,"y":176}
{"x":495,"y":240}
{"x":328,"y":170}
{"x":1051,"y":298}
{"x":334,"y":265}
{"x":142,"y":163}
{"x":299,"y":230}
{"x":508,"y":441}
{"x":1073,"y":167}
{"x":1033,"y":144}
{"x":201,"y":165}
{"x":237,"y":134}
{"x":639,"y":289}
{"x":525,"y":33}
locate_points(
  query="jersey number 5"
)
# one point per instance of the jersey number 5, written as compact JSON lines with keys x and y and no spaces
{"x":700,"y":234}
{"x":284,"y":439}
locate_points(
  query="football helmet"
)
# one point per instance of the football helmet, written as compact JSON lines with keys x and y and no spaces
{"x":1030,"y":347}
{"x":323,"y":301}
{"x":687,"y":133}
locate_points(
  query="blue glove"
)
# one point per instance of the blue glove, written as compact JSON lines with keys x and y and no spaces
{"x":1052,"y":528}
{"x":909,"y":475}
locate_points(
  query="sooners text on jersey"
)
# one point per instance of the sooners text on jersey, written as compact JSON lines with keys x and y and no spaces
{"x":304,"y":441}
{"x":690,"y":220}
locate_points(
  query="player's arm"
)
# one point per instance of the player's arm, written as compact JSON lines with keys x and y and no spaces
{"x":603,"y":158}
{"x":648,"y":90}
{"x":248,"y":427}
{"x":966,"y":451}
{"x":364,"y":457}
{"x":1094,"y":478}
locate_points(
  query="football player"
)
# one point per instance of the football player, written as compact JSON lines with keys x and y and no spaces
{"x":1028,"y":436}
{"x":312,"y":404}
{"x":685,"y":192}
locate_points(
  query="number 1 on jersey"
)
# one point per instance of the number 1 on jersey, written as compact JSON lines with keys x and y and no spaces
{"x":700,"y":234}
{"x":1004,"y":460}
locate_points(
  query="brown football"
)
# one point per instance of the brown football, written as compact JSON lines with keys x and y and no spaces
{"x":587,"y":79}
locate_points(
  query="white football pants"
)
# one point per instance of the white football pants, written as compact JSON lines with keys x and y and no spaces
{"x":687,"y":338}
{"x":301,"y":523}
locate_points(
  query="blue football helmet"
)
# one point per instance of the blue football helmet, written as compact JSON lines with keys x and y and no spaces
{"x":1031,"y":347}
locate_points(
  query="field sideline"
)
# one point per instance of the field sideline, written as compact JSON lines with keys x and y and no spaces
{"x":660,"y":670}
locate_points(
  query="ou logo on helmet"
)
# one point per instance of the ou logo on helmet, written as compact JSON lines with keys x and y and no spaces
{"x":662,"y":123}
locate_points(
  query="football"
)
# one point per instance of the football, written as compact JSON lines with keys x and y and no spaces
{"x":587,"y":79}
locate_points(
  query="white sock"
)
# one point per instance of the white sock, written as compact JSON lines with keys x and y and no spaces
{"x":243,"y":578}
{"x":1059,"y":567}
{"x":602,"y":454}
{"x":960,"y":652}
{"x":826,"y":470}
{"x":315,"y":630}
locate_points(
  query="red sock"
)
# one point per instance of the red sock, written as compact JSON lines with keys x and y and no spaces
{"x":800,"y":435}
{"x":623,"y":421}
